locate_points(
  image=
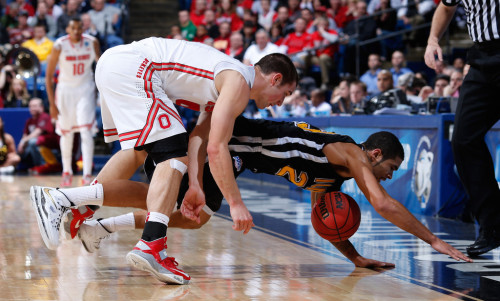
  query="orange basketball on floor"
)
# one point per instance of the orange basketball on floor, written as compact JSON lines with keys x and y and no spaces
{"x":336,"y":216}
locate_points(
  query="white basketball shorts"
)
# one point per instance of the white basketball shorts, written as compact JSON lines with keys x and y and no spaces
{"x":76,"y":105}
{"x":135,"y":109}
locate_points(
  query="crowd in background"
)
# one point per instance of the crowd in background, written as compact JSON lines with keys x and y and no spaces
{"x":319,"y":36}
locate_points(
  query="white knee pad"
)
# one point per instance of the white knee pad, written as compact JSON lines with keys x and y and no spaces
{"x":176,"y":164}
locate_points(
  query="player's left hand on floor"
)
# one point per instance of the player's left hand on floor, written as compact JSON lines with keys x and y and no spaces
{"x":444,"y":248}
{"x":363,"y":262}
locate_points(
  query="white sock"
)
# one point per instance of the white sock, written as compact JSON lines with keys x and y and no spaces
{"x":119,"y":223}
{"x":87,"y":151}
{"x":85,"y":195}
{"x":66,"y":144}
{"x":157,"y":217}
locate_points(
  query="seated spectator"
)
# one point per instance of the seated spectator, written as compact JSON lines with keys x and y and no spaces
{"x":261,"y":48}
{"x":276,"y":36}
{"x":37,"y":141}
{"x":459,"y":63}
{"x":324,"y":40}
{"x":453,"y":89}
{"x":22,"y":31}
{"x":201,"y":34}
{"x":227,"y":13}
{"x":70,"y":12}
{"x":294,"y":9}
{"x":235,"y":49}
{"x":8,"y":156}
{"x":299,"y":104}
{"x":89,"y":28}
{"x":369,"y":30}
{"x":197,"y":15}
{"x":18,"y":94}
{"x":22,"y":5}
{"x":266,"y":14}
{"x":414,"y":13}
{"x":174,"y":30}
{"x":43,"y":17}
{"x":357,"y":94}
{"x":54,"y":9}
{"x":188,"y":29}
{"x":222,"y":41}
{"x":39,"y":44}
{"x":370,"y":76}
{"x":398,"y":66}
{"x":283,"y":20}
{"x":9,"y":19}
{"x":298,"y":41}
{"x":412,"y":86}
{"x":308,"y":15}
{"x":248,"y":32}
{"x":105,"y":18}
{"x":341,"y":98}
{"x":386,"y":23}
{"x":319,"y":105}
{"x":385,"y":81}
{"x":209,"y":22}
{"x":440,"y":83}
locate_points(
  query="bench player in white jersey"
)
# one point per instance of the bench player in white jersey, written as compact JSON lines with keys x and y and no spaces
{"x":74,"y":101}
{"x":138,"y":85}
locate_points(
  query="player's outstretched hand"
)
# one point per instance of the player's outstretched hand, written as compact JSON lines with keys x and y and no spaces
{"x":363,"y":262}
{"x":444,"y":248}
{"x":242,"y":219}
{"x":193,"y":203}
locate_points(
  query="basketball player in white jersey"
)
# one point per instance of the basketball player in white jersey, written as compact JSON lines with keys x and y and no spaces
{"x":73,"y":104}
{"x":138,"y":85}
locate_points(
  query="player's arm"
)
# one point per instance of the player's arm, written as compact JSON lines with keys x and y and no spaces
{"x":348,"y":250}
{"x":440,"y":21}
{"x":357,"y":165}
{"x":97,"y":49}
{"x":233,"y":98}
{"x":194,"y":199}
{"x":49,"y":81}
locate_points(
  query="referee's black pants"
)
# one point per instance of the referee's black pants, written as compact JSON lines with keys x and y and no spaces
{"x":477,"y":111}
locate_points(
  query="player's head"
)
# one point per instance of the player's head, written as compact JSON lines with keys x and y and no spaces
{"x":385,"y":152}
{"x":75,"y":29}
{"x":281,"y":79}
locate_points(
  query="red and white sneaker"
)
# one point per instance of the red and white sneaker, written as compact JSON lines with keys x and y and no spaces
{"x":75,"y":218}
{"x":152,"y":257}
{"x":66,"y":180}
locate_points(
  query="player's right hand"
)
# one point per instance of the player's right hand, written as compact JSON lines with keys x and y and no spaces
{"x":363,"y":262}
{"x":54,"y":112}
{"x":193,"y":203}
{"x":242,"y":219}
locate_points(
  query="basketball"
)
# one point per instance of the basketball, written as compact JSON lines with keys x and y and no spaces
{"x":336,"y":216}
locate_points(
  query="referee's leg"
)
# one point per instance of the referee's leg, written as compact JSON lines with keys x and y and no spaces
{"x":478,"y":110}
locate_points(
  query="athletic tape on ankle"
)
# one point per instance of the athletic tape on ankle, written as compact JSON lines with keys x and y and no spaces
{"x":176,"y":164}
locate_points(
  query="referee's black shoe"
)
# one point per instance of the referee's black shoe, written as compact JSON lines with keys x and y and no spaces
{"x":487,"y":241}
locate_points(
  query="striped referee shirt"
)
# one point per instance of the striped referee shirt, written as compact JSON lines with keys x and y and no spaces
{"x":482,"y":18}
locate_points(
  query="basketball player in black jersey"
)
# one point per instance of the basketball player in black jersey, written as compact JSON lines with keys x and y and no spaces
{"x":309,"y":158}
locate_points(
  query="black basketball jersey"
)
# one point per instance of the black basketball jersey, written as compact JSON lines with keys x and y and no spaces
{"x":293,"y":150}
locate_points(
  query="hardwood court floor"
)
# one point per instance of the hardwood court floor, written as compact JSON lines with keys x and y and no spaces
{"x":223,"y":264}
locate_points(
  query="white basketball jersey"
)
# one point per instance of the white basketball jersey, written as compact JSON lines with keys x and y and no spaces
{"x":75,"y":60}
{"x":187,"y":70}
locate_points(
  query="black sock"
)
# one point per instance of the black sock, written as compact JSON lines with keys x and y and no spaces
{"x":153,"y":231}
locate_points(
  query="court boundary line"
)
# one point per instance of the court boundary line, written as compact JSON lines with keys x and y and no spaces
{"x":431,"y":286}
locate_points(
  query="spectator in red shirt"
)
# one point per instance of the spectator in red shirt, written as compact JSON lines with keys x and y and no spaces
{"x":22,"y":32}
{"x":298,"y":41}
{"x":38,"y":138}
{"x":222,"y":41}
{"x":23,"y":5}
{"x":307,"y":15}
{"x":276,"y":34}
{"x":293,"y":9}
{"x":338,"y":13}
{"x":197,"y":15}
{"x":201,"y":34}
{"x":323,"y":57}
{"x":227,"y":13}
{"x":235,"y":49}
